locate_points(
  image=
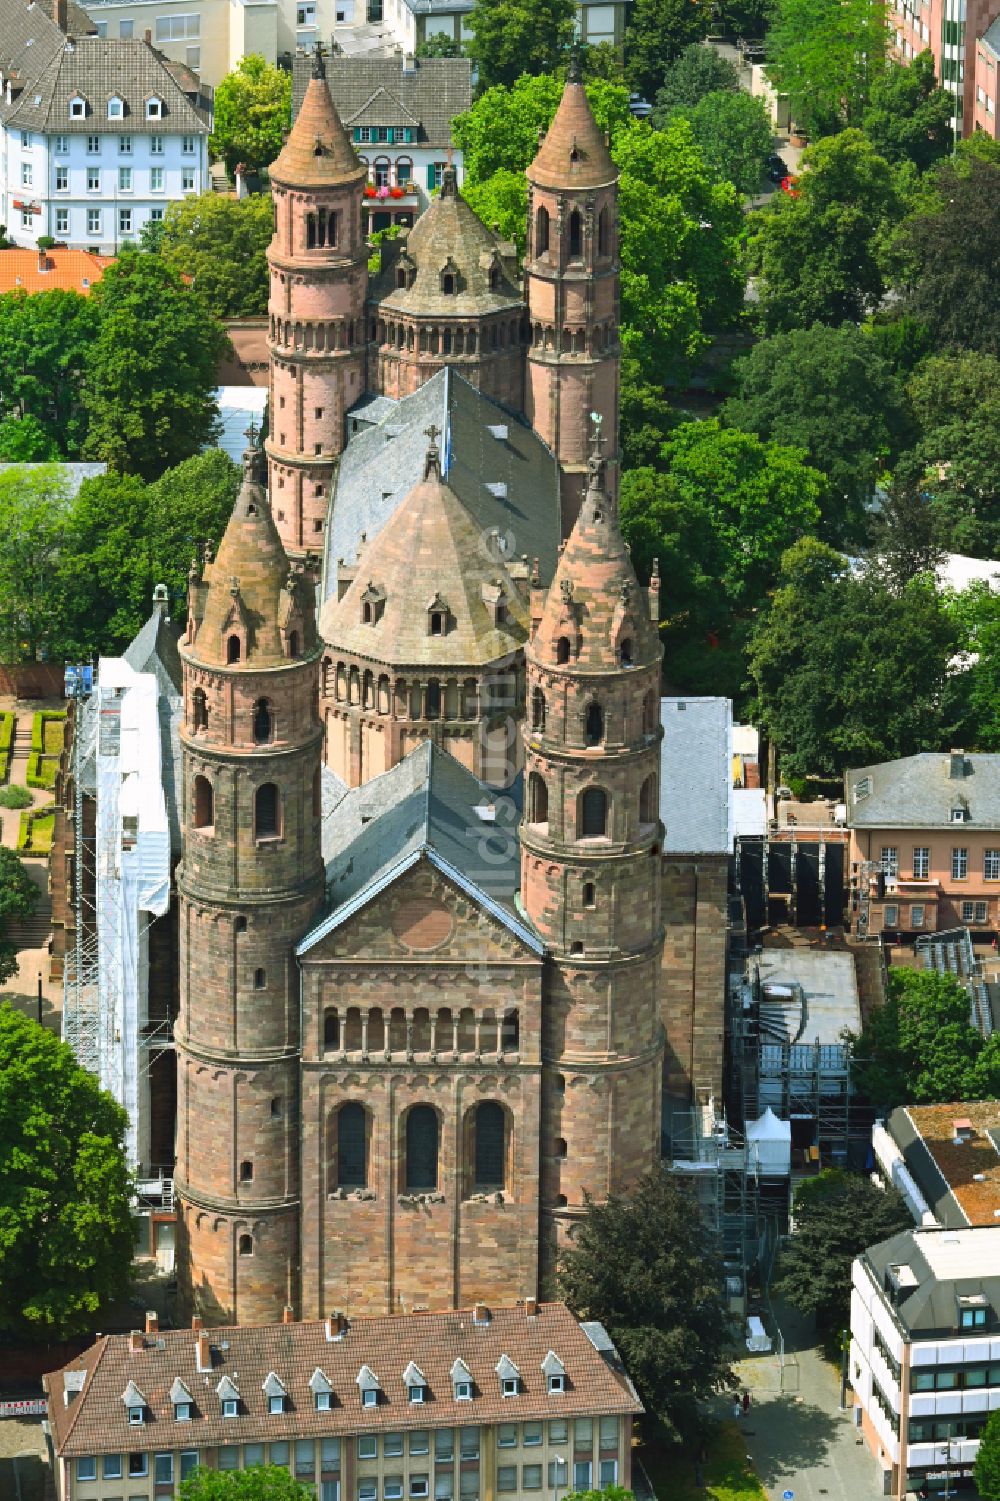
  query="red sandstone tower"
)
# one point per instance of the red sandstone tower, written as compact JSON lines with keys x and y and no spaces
{"x":319,"y":282}
{"x":590,"y":868}
{"x":250,"y":883}
{"x":571,"y":276}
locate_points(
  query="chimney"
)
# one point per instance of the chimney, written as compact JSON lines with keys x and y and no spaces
{"x":135,"y":1341}
{"x":957,"y":769}
{"x":196,"y":1321}
{"x":481,"y":1314}
{"x":202,"y":1352}
{"x":152,"y":1321}
{"x":59,"y":15}
{"x":409,"y":65}
{"x":336,"y":1325}
{"x":288,"y":1314}
{"x":43,"y":262}
{"x":147,"y":37}
{"x":531,"y":1308}
{"x":161,"y":601}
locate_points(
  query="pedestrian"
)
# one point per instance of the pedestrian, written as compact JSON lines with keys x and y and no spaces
{"x":737,"y":1408}
{"x":746,"y":1403}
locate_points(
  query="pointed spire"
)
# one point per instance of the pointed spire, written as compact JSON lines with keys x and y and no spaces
{"x":574,"y":153}
{"x":574,"y":70}
{"x":317,"y":152}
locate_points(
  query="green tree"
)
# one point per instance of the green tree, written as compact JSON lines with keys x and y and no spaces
{"x":188,"y":506}
{"x":734,"y":135}
{"x":33,"y":508}
{"x":830,"y":392}
{"x":986,"y":1471}
{"x":66,"y":1234}
{"x":949,"y":249}
{"x":920,"y":1047}
{"x":44,"y":340}
{"x":851,"y":668}
{"x":220,"y":243}
{"x":956,"y":404}
{"x":511,"y":37}
{"x":817,"y":256}
{"x":23,"y":440}
{"x":502,"y":200}
{"x":976,"y":612}
{"x":656,"y":33}
{"x":253,"y":107}
{"x":696,"y":71}
{"x":837,"y":1214}
{"x":262,"y":1483}
{"x":152,"y":369}
{"x":439,"y":44}
{"x":644,"y":1266}
{"x":500,"y":131}
{"x":825,"y":54}
{"x":645,"y":415}
{"x":908,"y":118}
{"x":18,"y":896}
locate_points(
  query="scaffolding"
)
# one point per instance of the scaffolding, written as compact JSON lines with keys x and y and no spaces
{"x":84,"y":1027}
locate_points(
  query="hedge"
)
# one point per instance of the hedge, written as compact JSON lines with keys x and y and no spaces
{"x":42,"y":771}
{"x":7,"y":723}
{"x":48,"y":727}
{"x":34,"y":836}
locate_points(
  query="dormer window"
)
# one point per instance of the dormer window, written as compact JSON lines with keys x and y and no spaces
{"x":78,"y":107}
{"x":972,"y":1311}
{"x":182,"y":1412}
{"x":557,"y":1383}
{"x":508,"y":1387}
{"x":277,"y":1397}
{"x":182,"y":1401}
{"x":275,"y":1406}
{"x":437,"y":623}
{"x":229,"y":1395}
{"x":437,"y":616}
{"x":958,"y":815}
{"x":116,"y":107}
{"x":322,"y":1391}
{"x":463,"y":1391}
{"x":230,"y":1408}
{"x":369,"y":1397}
{"x":510,"y":1377}
{"x":461,"y":1381}
{"x":154,"y":109}
{"x":135,"y":1415}
{"x":449,"y":278}
{"x":324,"y":1401}
{"x":369,"y":1386}
{"x":372,"y":604}
{"x":135,"y":1404}
{"x":415,"y":1383}
{"x":554,"y":1372}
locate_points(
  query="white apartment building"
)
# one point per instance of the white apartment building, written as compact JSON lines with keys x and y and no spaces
{"x":925,"y":1354}
{"x":97,"y":138}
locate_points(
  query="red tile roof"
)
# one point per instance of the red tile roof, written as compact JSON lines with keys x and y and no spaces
{"x":96,"y":1421}
{"x":48,"y":270}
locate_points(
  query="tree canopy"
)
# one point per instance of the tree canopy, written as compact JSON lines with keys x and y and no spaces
{"x":66,"y":1235}
{"x":696,"y":71}
{"x":34,"y":504}
{"x":657,"y":32}
{"x":643,"y":1265}
{"x":848,"y":667}
{"x":986,"y":1471}
{"x":908,"y":118}
{"x":45,"y":339}
{"x":261,"y":1483}
{"x":830,"y":392}
{"x":220,"y":243}
{"x":151,"y":368}
{"x":252,"y":109}
{"x":18,"y":896}
{"x":955,"y":400}
{"x":837,"y":1214}
{"x":825,"y":54}
{"x":512,"y":37}
{"x":733,"y":131}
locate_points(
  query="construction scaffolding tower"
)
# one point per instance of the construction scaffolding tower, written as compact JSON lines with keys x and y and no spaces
{"x":84,"y":1027}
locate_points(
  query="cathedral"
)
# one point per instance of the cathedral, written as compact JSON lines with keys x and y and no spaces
{"x":420,"y":883}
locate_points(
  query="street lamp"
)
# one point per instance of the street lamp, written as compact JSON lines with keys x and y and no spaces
{"x":946,"y":1447}
{"x":560,"y":1475}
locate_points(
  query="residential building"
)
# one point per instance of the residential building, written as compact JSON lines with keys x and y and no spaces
{"x":924,"y":842}
{"x":954,"y":32}
{"x":945,"y":1161}
{"x":987,"y":93}
{"x":44,"y":270}
{"x":98,"y":134}
{"x":925,"y":1354}
{"x":397,"y":112}
{"x":518,"y":1402}
{"x":411,"y":22}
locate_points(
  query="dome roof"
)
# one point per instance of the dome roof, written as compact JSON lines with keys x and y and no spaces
{"x":318,"y":152}
{"x":250,"y":590}
{"x":428,"y":561}
{"x":574,"y":153}
{"x":595,"y":601}
{"x":448,"y":239}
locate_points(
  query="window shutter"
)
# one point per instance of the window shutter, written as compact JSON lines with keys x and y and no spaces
{"x":431,"y":181}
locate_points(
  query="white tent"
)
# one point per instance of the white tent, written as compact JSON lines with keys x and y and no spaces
{"x":772,"y":1139}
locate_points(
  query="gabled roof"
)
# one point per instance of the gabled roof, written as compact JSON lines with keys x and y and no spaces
{"x":506,"y":1369}
{"x":132,"y":1396}
{"x":552,"y":1365}
{"x":367,"y":1380}
{"x":29,"y":36}
{"x":98,"y":69}
{"x":460,"y":1371}
{"x":413,"y":1375}
{"x":424,"y":808}
{"x":179,"y":1392}
{"x":382,"y":464}
{"x":431,"y":92}
{"x":273,"y":1386}
{"x":61,"y":268}
{"x":227,"y":1390}
{"x":318,"y":1382}
{"x":960,"y":1179}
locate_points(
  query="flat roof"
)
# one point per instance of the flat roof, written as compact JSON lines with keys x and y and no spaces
{"x":955,"y":1255}
{"x":828,"y":982}
{"x":961,"y":1180}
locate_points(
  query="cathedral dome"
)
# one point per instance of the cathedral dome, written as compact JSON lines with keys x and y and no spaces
{"x":450,"y":264}
{"x":428,"y":590}
{"x":596,"y":617}
{"x":574,"y":153}
{"x":318,"y":152}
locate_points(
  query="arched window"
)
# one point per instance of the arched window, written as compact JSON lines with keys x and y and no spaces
{"x":331,"y":1030}
{"x":199,"y":709}
{"x":575,"y":235}
{"x":246,"y":1245}
{"x":262,"y":722}
{"x":234,"y":649}
{"x":594,"y":731}
{"x":593,"y":821}
{"x":310,"y":231}
{"x":352,"y":1146}
{"x":537,"y":709}
{"x":604,"y":232}
{"x":432,"y":702}
{"x":647,"y":800}
{"x":404,"y":170}
{"x":542,"y":231}
{"x":448,"y":285}
{"x":562,"y":650}
{"x":625,"y":652}
{"x":490,"y":1129}
{"x":589,"y":894}
{"x":267,"y":811}
{"x":437,"y":623}
{"x":421,"y":1148}
{"x":538,"y":799}
{"x":383,"y":171}
{"x":293,"y":644}
{"x":204,"y":803}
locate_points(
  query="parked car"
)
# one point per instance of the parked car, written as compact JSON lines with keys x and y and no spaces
{"x":777,"y":167}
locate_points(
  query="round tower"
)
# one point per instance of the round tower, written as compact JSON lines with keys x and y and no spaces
{"x":250,"y":882}
{"x":448,"y":295}
{"x":571,"y":277}
{"x":318,"y":262}
{"x":590,"y":868}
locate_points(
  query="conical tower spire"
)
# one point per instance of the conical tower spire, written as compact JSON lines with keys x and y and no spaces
{"x":573,"y":152}
{"x":318,"y":151}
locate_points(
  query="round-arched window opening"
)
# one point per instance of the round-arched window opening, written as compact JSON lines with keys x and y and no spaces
{"x":267,"y":811}
{"x":593,"y":814}
{"x":263,"y":724}
{"x":204,"y":803}
{"x":562,"y":650}
{"x":594,"y":724}
{"x":293,"y":644}
{"x":421,"y":1148}
{"x":234,"y":650}
{"x":625,"y":652}
{"x":490,"y":1127}
{"x":352,"y":1146}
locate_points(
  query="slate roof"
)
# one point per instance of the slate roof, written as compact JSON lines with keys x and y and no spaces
{"x":97,"y":68}
{"x":991,"y":38}
{"x":960,"y":1181}
{"x":29,"y":36}
{"x":96,"y":1421}
{"x":696,"y":776}
{"x":381,"y":91}
{"x":154,"y":649}
{"x":488,"y":445}
{"x":425,"y":806}
{"x":919,"y":792}
{"x":946,"y":1264}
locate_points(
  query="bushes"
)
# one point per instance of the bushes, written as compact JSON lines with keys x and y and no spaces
{"x":42,"y":771}
{"x":48,"y":727}
{"x":15,"y":797}
{"x":34,"y":836}
{"x":6,"y":744}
